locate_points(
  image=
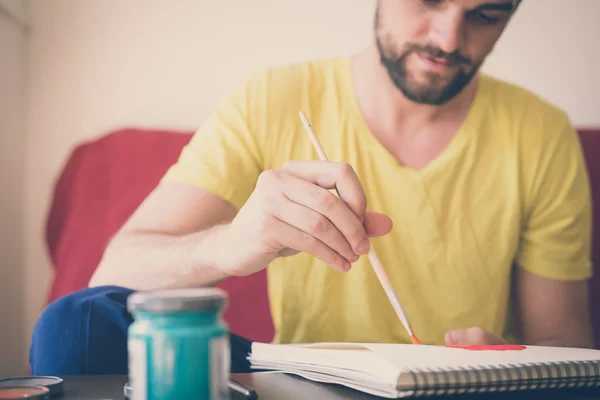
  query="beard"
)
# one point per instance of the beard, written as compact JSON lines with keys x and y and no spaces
{"x":431,"y":88}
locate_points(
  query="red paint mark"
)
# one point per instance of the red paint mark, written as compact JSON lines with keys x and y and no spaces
{"x":495,"y":347}
{"x":414,"y":340}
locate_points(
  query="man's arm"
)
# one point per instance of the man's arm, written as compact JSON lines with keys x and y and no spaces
{"x":553,"y":312}
{"x":173,"y":240}
{"x":553,"y":259}
{"x":182,"y":236}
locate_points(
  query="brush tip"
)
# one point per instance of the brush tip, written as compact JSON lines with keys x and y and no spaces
{"x":414,"y":340}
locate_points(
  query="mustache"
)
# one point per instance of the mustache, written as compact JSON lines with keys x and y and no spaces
{"x":435,"y":52}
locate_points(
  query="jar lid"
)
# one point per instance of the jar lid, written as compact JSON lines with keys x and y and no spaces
{"x":178,"y":300}
{"x":53,"y":383}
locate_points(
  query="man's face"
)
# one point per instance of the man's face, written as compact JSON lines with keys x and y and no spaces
{"x":433,"y":48}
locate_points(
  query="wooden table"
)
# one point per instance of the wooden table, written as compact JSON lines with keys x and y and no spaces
{"x":276,"y":387}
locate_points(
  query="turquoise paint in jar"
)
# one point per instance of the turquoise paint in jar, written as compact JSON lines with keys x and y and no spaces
{"x":178,"y":345}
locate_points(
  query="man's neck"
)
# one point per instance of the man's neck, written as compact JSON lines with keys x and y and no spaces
{"x":389,"y":113}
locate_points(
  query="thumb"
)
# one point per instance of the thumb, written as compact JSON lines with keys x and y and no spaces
{"x":377,"y":224}
{"x":472,"y":336}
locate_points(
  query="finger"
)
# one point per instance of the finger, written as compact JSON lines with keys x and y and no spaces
{"x":314,"y":223}
{"x":333,"y":175}
{"x":293,"y":238}
{"x":377,"y":224}
{"x":326,"y":204}
{"x":472,"y":336}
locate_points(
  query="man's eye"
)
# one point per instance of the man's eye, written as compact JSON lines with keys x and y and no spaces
{"x":481,"y":17}
{"x":432,"y":2}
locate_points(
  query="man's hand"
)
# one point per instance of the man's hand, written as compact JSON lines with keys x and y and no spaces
{"x":292,"y":210}
{"x":474,"y":336}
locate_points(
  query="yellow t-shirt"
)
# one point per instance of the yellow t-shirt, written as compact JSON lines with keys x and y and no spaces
{"x":511,"y":187}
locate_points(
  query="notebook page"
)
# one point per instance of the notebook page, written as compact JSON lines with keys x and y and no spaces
{"x":409,"y":357}
{"x":340,"y":359}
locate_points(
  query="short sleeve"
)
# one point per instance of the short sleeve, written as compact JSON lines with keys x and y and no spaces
{"x":224,"y":155}
{"x":556,"y":236}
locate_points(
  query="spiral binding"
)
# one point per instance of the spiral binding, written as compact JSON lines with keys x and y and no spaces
{"x":514,"y":377}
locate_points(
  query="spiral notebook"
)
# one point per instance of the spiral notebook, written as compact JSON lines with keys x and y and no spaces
{"x":407,"y":370}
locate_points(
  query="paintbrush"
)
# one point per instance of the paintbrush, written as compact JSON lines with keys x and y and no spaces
{"x":373,"y":258}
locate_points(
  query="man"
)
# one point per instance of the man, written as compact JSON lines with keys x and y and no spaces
{"x":475,"y":175}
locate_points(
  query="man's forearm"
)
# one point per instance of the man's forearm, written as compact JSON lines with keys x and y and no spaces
{"x":148,"y":261}
{"x":577,"y":337}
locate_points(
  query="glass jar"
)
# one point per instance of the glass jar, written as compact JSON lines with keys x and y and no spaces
{"x":178,"y":345}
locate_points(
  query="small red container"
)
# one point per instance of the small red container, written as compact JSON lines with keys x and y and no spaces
{"x":24,"y":392}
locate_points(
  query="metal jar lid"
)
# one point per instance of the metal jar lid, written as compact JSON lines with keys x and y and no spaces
{"x":178,"y":300}
{"x":53,"y":383}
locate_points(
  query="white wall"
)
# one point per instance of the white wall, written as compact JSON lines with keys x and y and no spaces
{"x":97,"y":65}
{"x":13,"y":50}
{"x":551,"y":48}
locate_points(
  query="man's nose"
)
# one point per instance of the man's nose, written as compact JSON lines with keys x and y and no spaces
{"x":447,"y":31}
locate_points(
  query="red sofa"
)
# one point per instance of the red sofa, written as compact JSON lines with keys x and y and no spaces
{"x":105,"y":179}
